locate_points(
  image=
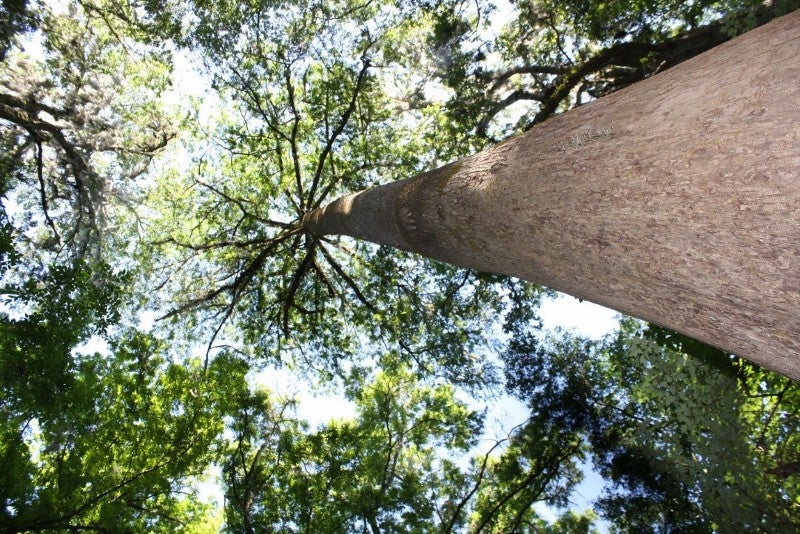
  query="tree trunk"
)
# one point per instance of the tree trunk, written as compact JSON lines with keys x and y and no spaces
{"x":676,"y":200}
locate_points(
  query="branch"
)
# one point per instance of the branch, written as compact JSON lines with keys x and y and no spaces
{"x":670,"y":51}
{"x":475,"y":487}
{"x":24,"y":115}
{"x":294,"y":286}
{"x":502,"y":78}
{"x":785,"y":470}
{"x":241,"y":205}
{"x":239,"y":283}
{"x":42,"y":189}
{"x":293,"y":139}
{"x":256,"y":97}
{"x":557,"y":92}
{"x":362,"y":74}
{"x":515,"y":96}
{"x":349,"y":281}
{"x":331,"y":289}
{"x":542,"y":468}
{"x":213,"y":245}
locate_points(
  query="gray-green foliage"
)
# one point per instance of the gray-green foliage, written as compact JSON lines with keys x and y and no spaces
{"x":75,"y":146}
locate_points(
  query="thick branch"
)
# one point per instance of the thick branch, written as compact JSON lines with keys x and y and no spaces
{"x":501,"y":78}
{"x":43,"y":191}
{"x":513,"y":97}
{"x":299,"y":274}
{"x":666,"y":53}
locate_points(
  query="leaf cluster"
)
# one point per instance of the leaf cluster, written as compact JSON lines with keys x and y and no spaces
{"x":72,"y":142}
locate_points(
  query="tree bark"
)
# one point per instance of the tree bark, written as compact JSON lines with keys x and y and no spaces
{"x":676,"y":200}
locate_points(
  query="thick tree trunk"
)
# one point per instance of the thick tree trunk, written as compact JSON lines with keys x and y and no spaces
{"x":676,"y":200}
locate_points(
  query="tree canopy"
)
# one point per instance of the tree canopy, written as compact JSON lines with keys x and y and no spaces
{"x":157,"y":160}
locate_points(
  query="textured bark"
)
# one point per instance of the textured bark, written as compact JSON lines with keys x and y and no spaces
{"x":676,"y":200}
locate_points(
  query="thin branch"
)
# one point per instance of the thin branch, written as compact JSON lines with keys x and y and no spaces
{"x":240,"y":203}
{"x":506,"y":498}
{"x":559,"y":38}
{"x":239,"y":283}
{"x":293,"y":138}
{"x":256,"y":97}
{"x":475,"y":487}
{"x":775,"y":405}
{"x":227,"y":314}
{"x":42,"y":189}
{"x":249,"y":243}
{"x":349,"y":281}
{"x":345,"y":118}
{"x":331,"y":289}
{"x":512,"y":98}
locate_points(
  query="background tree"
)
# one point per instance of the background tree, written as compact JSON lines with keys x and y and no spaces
{"x":392,"y":469}
{"x":121,"y":441}
{"x":73,"y":142}
{"x":663,"y":416}
{"x":89,"y":441}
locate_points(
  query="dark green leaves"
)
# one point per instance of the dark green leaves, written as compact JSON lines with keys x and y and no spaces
{"x":662,"y":422}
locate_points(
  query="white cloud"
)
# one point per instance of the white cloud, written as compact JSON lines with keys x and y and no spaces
{"x":582,"y":317}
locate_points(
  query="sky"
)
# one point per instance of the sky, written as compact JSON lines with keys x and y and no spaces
{"x":581,"y":317}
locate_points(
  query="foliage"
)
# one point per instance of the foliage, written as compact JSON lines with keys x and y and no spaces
{"x":664,"y":424}
{"x":125,"y":436}
{"x":385,"y":471}
{"x":89,"y":440}
{"x":394,"y":468}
